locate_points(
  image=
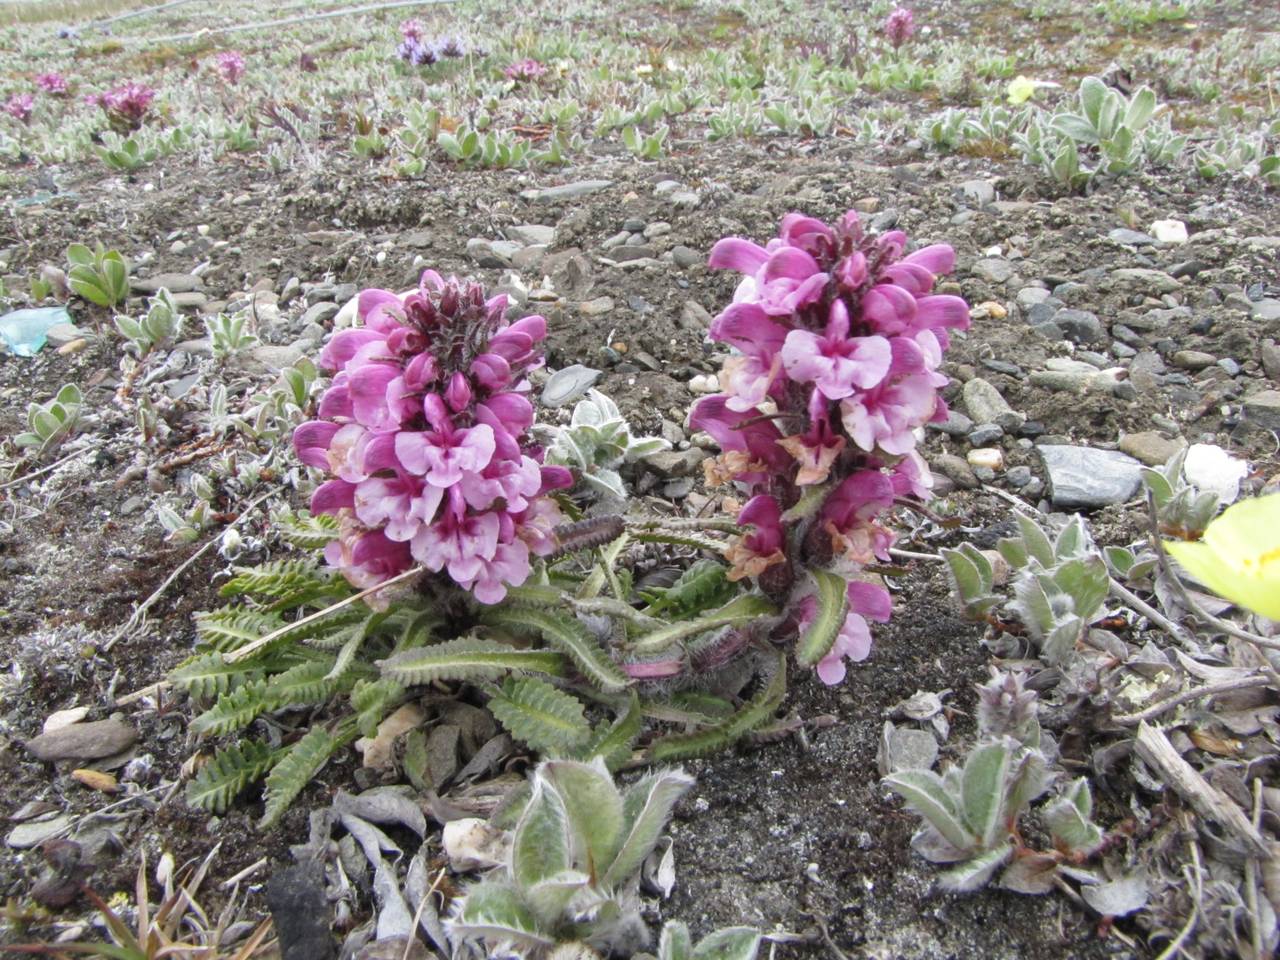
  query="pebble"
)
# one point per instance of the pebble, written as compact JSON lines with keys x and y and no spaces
{"x":1131,"y":238}
{"x":991,"y":458}
{"x":1264,"y":409}
{"x":173,"y":282}
{"x":1150,"y":446}
{"x":956,"y":424}
{"x":27,"y":835}
{"x":685,"y":257}
{"x":566,"y":191}
{"x":1080,"y":326}
{"x":675,"y":463}
{"x":321,"y":312}
{"x":628,"y":251}
{"x":1085,"y":477}
{"x":597,"y":307}
{"x":992,"y":269}
{"x":1028,"y":297}
{"x":655,"y":230}
{"x":1145,"y":280}
{"x":705,"y":383}
{"x":84,"y":741}
{"x":1018,"y":477}
{"x":1169,"y":231}
{"x":978,"y":192}
{"x":1193,"y":359}
{"x":190,"y":300}
{"x":61,"y":335}
{"x":492,"y":253}
{"x":985,"y":433}
{"x":1267,"y":311}
{"x":1269,"y":354}
{"x":957,"y":470}
{"x":532,"y":234}
{"x":985,"y":405}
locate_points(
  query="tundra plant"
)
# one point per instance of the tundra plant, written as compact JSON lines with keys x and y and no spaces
{"x":573,"y":877}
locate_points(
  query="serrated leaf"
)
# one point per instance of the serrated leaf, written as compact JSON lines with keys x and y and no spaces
{"x":495,"y":911}
{"x":209,"y":675}
{"x":926,"y":793}
{"x":372,"y":700}
{"x":759,"y":710}
{"x":297,"y":767}
{"x":613,"y":742}
{"x":982,"y":790}
{"x":571,"y":638}
{"x":233,"y":710}
{"x":305,"y":683}
{"x":230,"y":628}
{"x":974,"y":874}
{"x":229,"y":771}
{"x":468,"y":658}
{"x":740,"y":610}
{"x":545,"y":718}
{"x":594,"y":808}
{"x":540,"y":843}
{"x":646,"y":807}
{"x":832,"y":609}
{"x":277,"y":578}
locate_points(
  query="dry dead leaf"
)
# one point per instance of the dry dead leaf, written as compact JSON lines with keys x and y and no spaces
{"x":96,"y":780}
{"x":379,"y":751}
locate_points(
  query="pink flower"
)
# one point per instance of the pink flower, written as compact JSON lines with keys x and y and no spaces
{"x":854,"y":640}
{"x":19,"y":106}
{"x":230,"y":64}
{"x":751,"y":554}
{"x":125,"y":105}
{"x":524,"y":71}
{"x":899,"y":26}
{"x":836,"y":363}
{"x":52,"y":83}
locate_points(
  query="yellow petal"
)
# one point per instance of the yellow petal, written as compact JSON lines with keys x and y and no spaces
{"x":1021,"y":89}
{"x":1248,"y":533}
{"x":1257,"y":590}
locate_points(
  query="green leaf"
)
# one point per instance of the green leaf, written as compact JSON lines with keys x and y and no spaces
{"x":278,"y":578}
{"x":80,"y":255}
{"x":973,"y":874}
{"x":674,"y":942}
{"x":540,"y":844}
{"x":613,"y":742}
{"x":1120,"y":559}
{"x":209,"y":675}
{"x":1036,"y":542}
{"x":594,"y":808}
{"x":230,"y":628}
{"x":832,"y":609}
{"x":468,"y":658}
{"x":233,"y":710}
{"x":730,"y":943}
{"x":230,"y":770}
{"x":1142,"y":105}
{"x":926,"y":794}
{"x":740,"y":610}
{"x":571,"y":638}
{"x":545,"y":718}
{"x":1085,"y":580}
{"x":495,"y":911}
{"x":646,"y":808}
{"x":306,"y":683}
{"x":372,"y":700}
{"x":298,"y":767}
{"x":759,"y":710}
{"x":1057,"y":646}
{"x":548,"y":898}
{"x":1093,"y":93}
{"x":982,"y":790}
{"x":1068,"y":819}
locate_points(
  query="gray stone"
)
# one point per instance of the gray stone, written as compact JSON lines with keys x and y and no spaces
{"x":1018,"y":477}
{"x":907,"y":748}
{"x":992,"y":269}
{"x":686,"y":199}
{"x":1131,"y":238}
{"x":1267,"y":311}
{"x":628,"y":252}
{"x":190,"y":300}
{"x":1142,"y":279}
{"x":957,"y":470}
{"x":984,"y":434}
{"x":1084,"y":477}
{"x":985,"y":405}
{"x":694,"y":316}
{"x":956,"y":424}
{"x":60,"y":334}
{"x":1152,"y":448}
{"x":1264,"y":409}
{"x":978,"y":192}
{"x":1042,"y":313}
{"x":201,"y":347}
{"x":321,"y":312}
{"x":678,"y":489}
{"x":675,"y":463}
{"x":664,"y":188}
{"x":566,"y":191}
{"x":1193,"y":359}
{"x":1063,"y":381}
{"x":532,"y":234}
{"x":1269,"y":353}
{"x":27,"y":835}
{"x":655,"y":230}
{"x":1080,"y":326}
{"x":492,"y":253}
{"x":84,"y":741}
{"x":684,"y":257}
{"x":173,"y":282}
{"x":597,"y":307}
{"x":1230,"y":366}
{"x":271,"y":357}
{"x":1028,"y":297}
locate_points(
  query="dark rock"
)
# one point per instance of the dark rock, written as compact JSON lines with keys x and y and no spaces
{"x":1080,"y":326}
{"x":1042,"y":312}
{"x":984,"y":434}
{"x":301,"y":913}
{"x":1131,"y":238}
{"x":1264,"y":409}
{"x":1084,"y":477}
{"x":84,"y":741}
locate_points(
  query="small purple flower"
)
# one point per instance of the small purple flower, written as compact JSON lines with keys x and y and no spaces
{"x":125,"y":105}
{"x":524,"y":71}
{"x":230,"y":64}
{"x":417,"y":53}
{"x":899,"y":26}
{"x":412,"y":29}
{"x":52,"y":83}
{"x":19,"y":106}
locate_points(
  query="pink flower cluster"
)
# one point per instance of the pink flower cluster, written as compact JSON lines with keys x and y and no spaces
{"x":20,"y":106}
{"x":899,"y":26}
{"x":424,"y":430}
{"x":230,"y":64}
{"x":52,"y":83}
{"x":524,"y":71}
{"x":127,"y":104}
{"x":838,"y":341}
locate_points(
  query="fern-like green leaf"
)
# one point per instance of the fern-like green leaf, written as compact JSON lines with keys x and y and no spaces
{"x":232,"y":627}
{"x":233,"y":710}
{"x":305,"y":683}
{"x":209,"y":675}
{"x":535,"y":595}
{"x":613,"y":742}
{"x":545,"y":718}
{"x":740,"y":610}
{"x":276,"y":579}
{"x":307,"y":532}
{"x":756,"y":712}
{"x":832,"y":608}
{"x":702,"y":586}
{"x":372,"y":700}
{"x":230,"y":770}
{"x":298,"y":766}
{"x":682,"y":539}
{"x":468,"y":658}
{"x":571,"y":638}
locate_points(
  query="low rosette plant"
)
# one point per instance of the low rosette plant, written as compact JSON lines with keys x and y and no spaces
{"x":424,"y":431}
{"x":838,"y":341}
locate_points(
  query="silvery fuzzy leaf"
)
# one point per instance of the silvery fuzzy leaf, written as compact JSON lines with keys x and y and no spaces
{"x":936,"y":848}
{"x":658,"y":874}
{"x":383,"y":805}
{"x":395,"y":919}
{"x":1118,"y":898}
{"x":606,"y":482}
{"x":1031,"y":873}
{"x":974,"y":874}
{"x":372,"y":840}
{"x":417,"y":886}
{"x":568,"y":384}
{"x":637,"y":449}
{"x":930,"y":796}
{"x":982,"y":787}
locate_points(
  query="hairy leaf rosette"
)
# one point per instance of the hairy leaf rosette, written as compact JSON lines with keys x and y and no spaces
{"x":838,"y":339}
{"x":424,"y":433}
